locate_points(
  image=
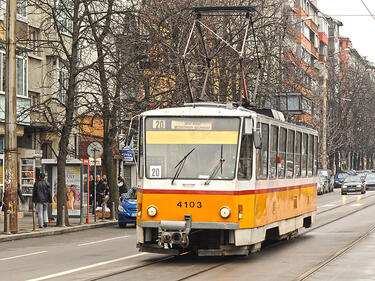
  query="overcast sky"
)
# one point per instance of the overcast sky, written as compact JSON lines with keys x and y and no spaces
{"x":359,"y":26}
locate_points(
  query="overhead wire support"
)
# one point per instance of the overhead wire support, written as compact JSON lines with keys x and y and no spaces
{"x":220,"y":11}
{"x":259,"y":63}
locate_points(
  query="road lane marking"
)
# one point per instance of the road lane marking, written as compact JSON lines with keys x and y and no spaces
{"x":328,"y":205}
{"x":356,"y":205}
{"x":100,"y":241}
{"x":62,"y":273}
{"x":25,"y":255}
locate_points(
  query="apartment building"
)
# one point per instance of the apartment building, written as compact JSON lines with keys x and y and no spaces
{"x":39,"y":76}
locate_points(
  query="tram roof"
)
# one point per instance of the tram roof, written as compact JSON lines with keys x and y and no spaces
{"x":224,"y":110}
{"x":202,"y":109}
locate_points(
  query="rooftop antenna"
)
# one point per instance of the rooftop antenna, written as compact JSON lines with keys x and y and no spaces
{"x":248,"y":11}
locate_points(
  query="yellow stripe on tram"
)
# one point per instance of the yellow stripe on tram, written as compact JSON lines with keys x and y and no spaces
{"x":192,"y":137}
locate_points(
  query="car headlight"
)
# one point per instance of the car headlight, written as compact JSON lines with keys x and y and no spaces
{"x":225,"y":212}
{"x":344,"y":186}
{"x":152,"y":211}
{"x":121,"y":208}
{"x":359,"y":185}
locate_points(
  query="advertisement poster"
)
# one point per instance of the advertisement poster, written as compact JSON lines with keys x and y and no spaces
{"x":73,"y":190}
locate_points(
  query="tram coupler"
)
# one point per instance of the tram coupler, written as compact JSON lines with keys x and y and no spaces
{"x":174,"y":233}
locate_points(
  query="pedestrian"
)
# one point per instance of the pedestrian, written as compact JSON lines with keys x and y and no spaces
{"x":92,"y":192}
{"x":100,"y":191}
{"x":42,"y":196}
{"x":20,"y":196}
{"x":122,"y":188}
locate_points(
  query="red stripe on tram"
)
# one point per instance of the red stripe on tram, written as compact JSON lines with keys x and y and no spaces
{"x":219,"y":192}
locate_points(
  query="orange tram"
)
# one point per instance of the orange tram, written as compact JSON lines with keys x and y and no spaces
{"x":217,"y":179}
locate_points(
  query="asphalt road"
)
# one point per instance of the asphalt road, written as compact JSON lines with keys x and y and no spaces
{"x":109,"y":253}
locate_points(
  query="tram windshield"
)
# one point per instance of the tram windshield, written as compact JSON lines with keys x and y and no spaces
{"x":191,"y":147}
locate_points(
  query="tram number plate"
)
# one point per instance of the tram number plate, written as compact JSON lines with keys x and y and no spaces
{"x":189,"y":204}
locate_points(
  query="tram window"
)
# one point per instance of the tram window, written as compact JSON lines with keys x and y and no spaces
{"x":282,"y":150}
{"x":304,"y":155}
{"x":297,"y":153}
{"x":246,"y":159}
{"x":262,"y":154}
{"x":310,"y":158}
{"x":140,"y":149}
{"x":273,"y":151}
{"x":289,"y":155}
{"x":315,"y":171}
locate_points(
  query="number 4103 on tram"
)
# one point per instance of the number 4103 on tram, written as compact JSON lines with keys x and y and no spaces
{"x":217,"y":179}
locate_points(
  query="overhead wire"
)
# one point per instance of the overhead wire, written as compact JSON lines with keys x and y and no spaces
{"x":364,"y":4}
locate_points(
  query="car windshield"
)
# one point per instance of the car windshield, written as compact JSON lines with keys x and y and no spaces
{"x":352,"y":179}
{"x":341,"y":175}
{"x":131,"y":194}
{"x":191,"y":147}
{"x":370,"y":177}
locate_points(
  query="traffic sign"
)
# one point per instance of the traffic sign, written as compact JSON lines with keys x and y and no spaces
{"x":95,"y":149}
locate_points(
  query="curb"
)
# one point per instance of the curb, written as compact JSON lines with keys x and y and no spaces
{"x":59,"y":230}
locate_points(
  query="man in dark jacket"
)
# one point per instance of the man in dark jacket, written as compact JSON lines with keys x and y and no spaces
{"x":100,"y":191}
{"x":42,"y":196}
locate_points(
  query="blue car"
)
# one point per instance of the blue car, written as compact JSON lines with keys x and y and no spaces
{"x":339,"y":178}
{"x":127,"y":209}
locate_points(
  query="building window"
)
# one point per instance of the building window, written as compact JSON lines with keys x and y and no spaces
{"x":294,"y":103}
{"x":47,"y":150}
{"x":22,"y":8}
{"x":34,"y":98}
{"x":63,"y":84}
{"x":34,"y":40}
{"x":21,"y":76}
{"x":64,"y":16}
{"x":21,"y":68}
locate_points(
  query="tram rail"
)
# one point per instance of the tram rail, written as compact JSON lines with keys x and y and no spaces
{"x":303,"y":276}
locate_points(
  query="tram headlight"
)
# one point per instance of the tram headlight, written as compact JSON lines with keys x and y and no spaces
{"x":152,"y":211}
{"x":224,"y":212}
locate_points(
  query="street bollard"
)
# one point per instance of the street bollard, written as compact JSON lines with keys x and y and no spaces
{"x":103,"y":211}
{"x":7,"y":222}
{"x":34,"y":217}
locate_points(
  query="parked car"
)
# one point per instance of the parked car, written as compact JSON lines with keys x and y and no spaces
{"x":363,"y":173}
{"x":370,"y":181}
{"x":127,"y":209}
{"x":339,"y":178}
{"x":327,"y":174}
{"x":353,"y":183}
{"x":322,"y":186}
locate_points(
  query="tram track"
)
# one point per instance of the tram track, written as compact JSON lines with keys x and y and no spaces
{"x":304,"y":276}
{"x":307,"y":274}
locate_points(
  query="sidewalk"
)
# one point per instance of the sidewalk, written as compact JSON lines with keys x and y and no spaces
{"x":25,"y":227}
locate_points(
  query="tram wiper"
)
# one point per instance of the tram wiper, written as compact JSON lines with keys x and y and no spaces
{"x":217,"y":167}
{"x":180,"y":165}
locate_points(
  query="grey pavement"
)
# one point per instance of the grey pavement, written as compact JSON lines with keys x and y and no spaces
{"x":25,"y":227}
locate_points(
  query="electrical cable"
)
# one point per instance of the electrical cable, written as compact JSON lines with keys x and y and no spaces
{"x":364,"y":4}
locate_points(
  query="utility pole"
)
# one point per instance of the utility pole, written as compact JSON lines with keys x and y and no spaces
{"x":324,"y":133}
{"x":11,"y":120}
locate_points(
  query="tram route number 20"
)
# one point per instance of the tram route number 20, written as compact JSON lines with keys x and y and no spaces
{"x":189,"y":204}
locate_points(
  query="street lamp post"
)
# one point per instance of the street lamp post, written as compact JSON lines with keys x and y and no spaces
{"x":324,"y":133}
{"x":10,"y":181}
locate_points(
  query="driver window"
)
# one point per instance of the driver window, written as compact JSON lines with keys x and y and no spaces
{"x":244,"y":170}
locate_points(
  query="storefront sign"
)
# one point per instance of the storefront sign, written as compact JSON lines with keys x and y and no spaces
{"x":128,"y":156}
